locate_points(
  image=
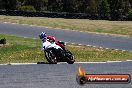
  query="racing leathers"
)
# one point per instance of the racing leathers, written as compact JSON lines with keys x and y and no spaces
{"x":58,"y":51}
{"x":46,"y":44}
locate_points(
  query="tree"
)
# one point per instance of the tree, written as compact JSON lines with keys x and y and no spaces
{"x":9,"y":4}
{"x":129,"y":17}
{"x":130,"y":1}
{"x":104,"y":9}
{"x":27,"y":8}
{"x":68,"y":5}
{"x":79,"y":6}
{"x":1,"y":4}
{"x":55,"y":5}
{"x":114,"y":9}
{"x":37,"y":4}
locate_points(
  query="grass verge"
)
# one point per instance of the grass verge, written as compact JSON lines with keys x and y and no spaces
{"x":26,"y":50}
{"x":98,"y":26}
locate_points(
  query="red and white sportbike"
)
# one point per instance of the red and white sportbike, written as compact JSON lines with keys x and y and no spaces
{"x":55,"y":51}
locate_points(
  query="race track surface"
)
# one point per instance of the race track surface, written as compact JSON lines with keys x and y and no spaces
{"x":58,"y":76}
{"x":105,"y":41}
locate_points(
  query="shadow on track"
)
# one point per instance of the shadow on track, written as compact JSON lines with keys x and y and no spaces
{"x":43,"y":63}
{"x":47,"y":63}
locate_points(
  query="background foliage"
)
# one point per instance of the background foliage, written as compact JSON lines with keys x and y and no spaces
{"x":104,"y":9}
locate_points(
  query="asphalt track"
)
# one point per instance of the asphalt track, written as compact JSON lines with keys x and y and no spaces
{"x":59,"y":76}
{"x":84,"y":38}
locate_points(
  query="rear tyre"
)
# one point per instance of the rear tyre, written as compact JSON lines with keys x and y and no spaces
{"x":50,"y":56}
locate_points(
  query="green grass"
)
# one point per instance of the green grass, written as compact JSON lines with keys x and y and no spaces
{"x":97,"y":26}
{"x":26,"y":50}
{"x":85,"y":53}
{"x":20,"y":49}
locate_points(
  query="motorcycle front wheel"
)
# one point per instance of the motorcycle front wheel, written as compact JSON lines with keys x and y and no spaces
{"x":70,"y":58}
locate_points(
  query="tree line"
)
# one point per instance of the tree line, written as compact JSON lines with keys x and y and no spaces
{"x":103,"y":9}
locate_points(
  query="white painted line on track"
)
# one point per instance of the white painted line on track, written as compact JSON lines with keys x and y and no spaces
{"x":100,"y":47}
{"x":25,"y":37}
{"x":22,"y":63}
{"x":31,"y":25}
{"x":73,"y":43}
{"x":66,"y":63}
{"x":24,"y":24}
{"x":107,"y":48}
{"x":113,"y":61}
{"x":80,"y":44}
{"x":128,"y":60}
{"x":88,"y":62}
{"x":3,"y":64}
{"x":5,"y":22}
{"x":14,"y":23}
{"x":88,"y":45}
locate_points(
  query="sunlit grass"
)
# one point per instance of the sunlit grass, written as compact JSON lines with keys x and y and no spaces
{"x":85,"y":53}
{"x":20,"y":54}
{"x":20,"y":49}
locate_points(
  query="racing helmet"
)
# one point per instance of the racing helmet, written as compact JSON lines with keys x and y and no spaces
{"x":42,"y":35}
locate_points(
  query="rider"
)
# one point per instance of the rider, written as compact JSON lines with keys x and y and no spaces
{"x":48,"y":42}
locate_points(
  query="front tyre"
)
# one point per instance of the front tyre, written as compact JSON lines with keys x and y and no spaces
{"x":50,"y":56}
{"x":71,"y":60}
{"x":70,"y":57}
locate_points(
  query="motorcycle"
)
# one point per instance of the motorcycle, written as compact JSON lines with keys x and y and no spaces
{"x":54,"y":55}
